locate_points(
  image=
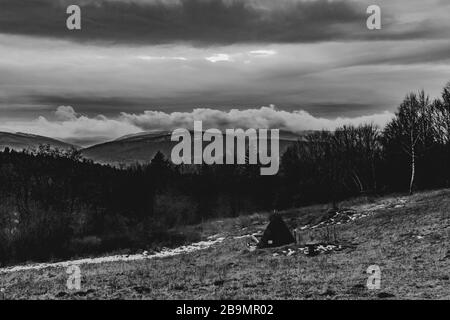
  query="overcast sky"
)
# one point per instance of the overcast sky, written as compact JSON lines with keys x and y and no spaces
{"x":155,"y":65}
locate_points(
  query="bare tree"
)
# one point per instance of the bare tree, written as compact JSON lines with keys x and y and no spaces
{"x":441,"y":121}
{"x":412,"y":127}
{"x":357,"y":147}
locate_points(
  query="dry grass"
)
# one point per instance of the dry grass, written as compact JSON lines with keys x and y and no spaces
{"x":410,"y":244}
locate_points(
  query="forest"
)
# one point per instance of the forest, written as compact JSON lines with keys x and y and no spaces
{"x":54,"y":204}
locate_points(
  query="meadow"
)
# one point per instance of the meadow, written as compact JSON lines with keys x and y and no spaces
{"x":408,"y":237}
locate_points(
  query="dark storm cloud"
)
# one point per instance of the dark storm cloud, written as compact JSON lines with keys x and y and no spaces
{"x":202,"y":22}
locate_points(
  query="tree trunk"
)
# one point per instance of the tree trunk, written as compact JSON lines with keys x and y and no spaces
{"x":358,"y":182}
{"x":374,"y":175}
{"x":413,"y":170}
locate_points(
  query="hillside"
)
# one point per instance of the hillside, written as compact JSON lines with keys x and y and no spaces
{"x":19,"y":141}
{"x":142,"y":147}
{"x":407,"y":237}
{"x":130,"y":149}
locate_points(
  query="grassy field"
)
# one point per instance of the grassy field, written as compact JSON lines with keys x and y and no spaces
{"x":407,"y":237}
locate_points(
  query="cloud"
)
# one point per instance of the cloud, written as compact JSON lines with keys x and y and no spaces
{"x":264,"y":117}
{"x":219,"y":57}
{"x":85,"y":130}
{"x":64,"y":113}
{"x":201,"y":22}
{"x":262,"y":53}
{"x":223,"y":22}
{"x":325,"y":79}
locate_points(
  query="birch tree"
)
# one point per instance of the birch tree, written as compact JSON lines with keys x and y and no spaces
{"x":411,"y":128}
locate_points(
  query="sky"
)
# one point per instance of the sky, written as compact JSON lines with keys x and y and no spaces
{"x":150,"y":65}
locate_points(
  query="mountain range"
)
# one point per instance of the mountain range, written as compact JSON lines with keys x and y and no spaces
{"x":129,"y":149}
{"x":19,"y":141}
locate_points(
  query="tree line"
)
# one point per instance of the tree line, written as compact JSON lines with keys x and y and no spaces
{"x":54,"y":204}
{"x":412,"y":152}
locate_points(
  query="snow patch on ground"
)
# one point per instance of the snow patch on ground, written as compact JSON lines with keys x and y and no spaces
{"x":308,"y":250}
{"x":348,"y":215}
{"x":133,"y":257}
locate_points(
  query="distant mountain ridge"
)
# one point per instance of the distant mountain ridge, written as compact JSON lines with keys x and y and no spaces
{"x":127,"y":150}
{"x":142,"y":147}
{"x":19,"y":141}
